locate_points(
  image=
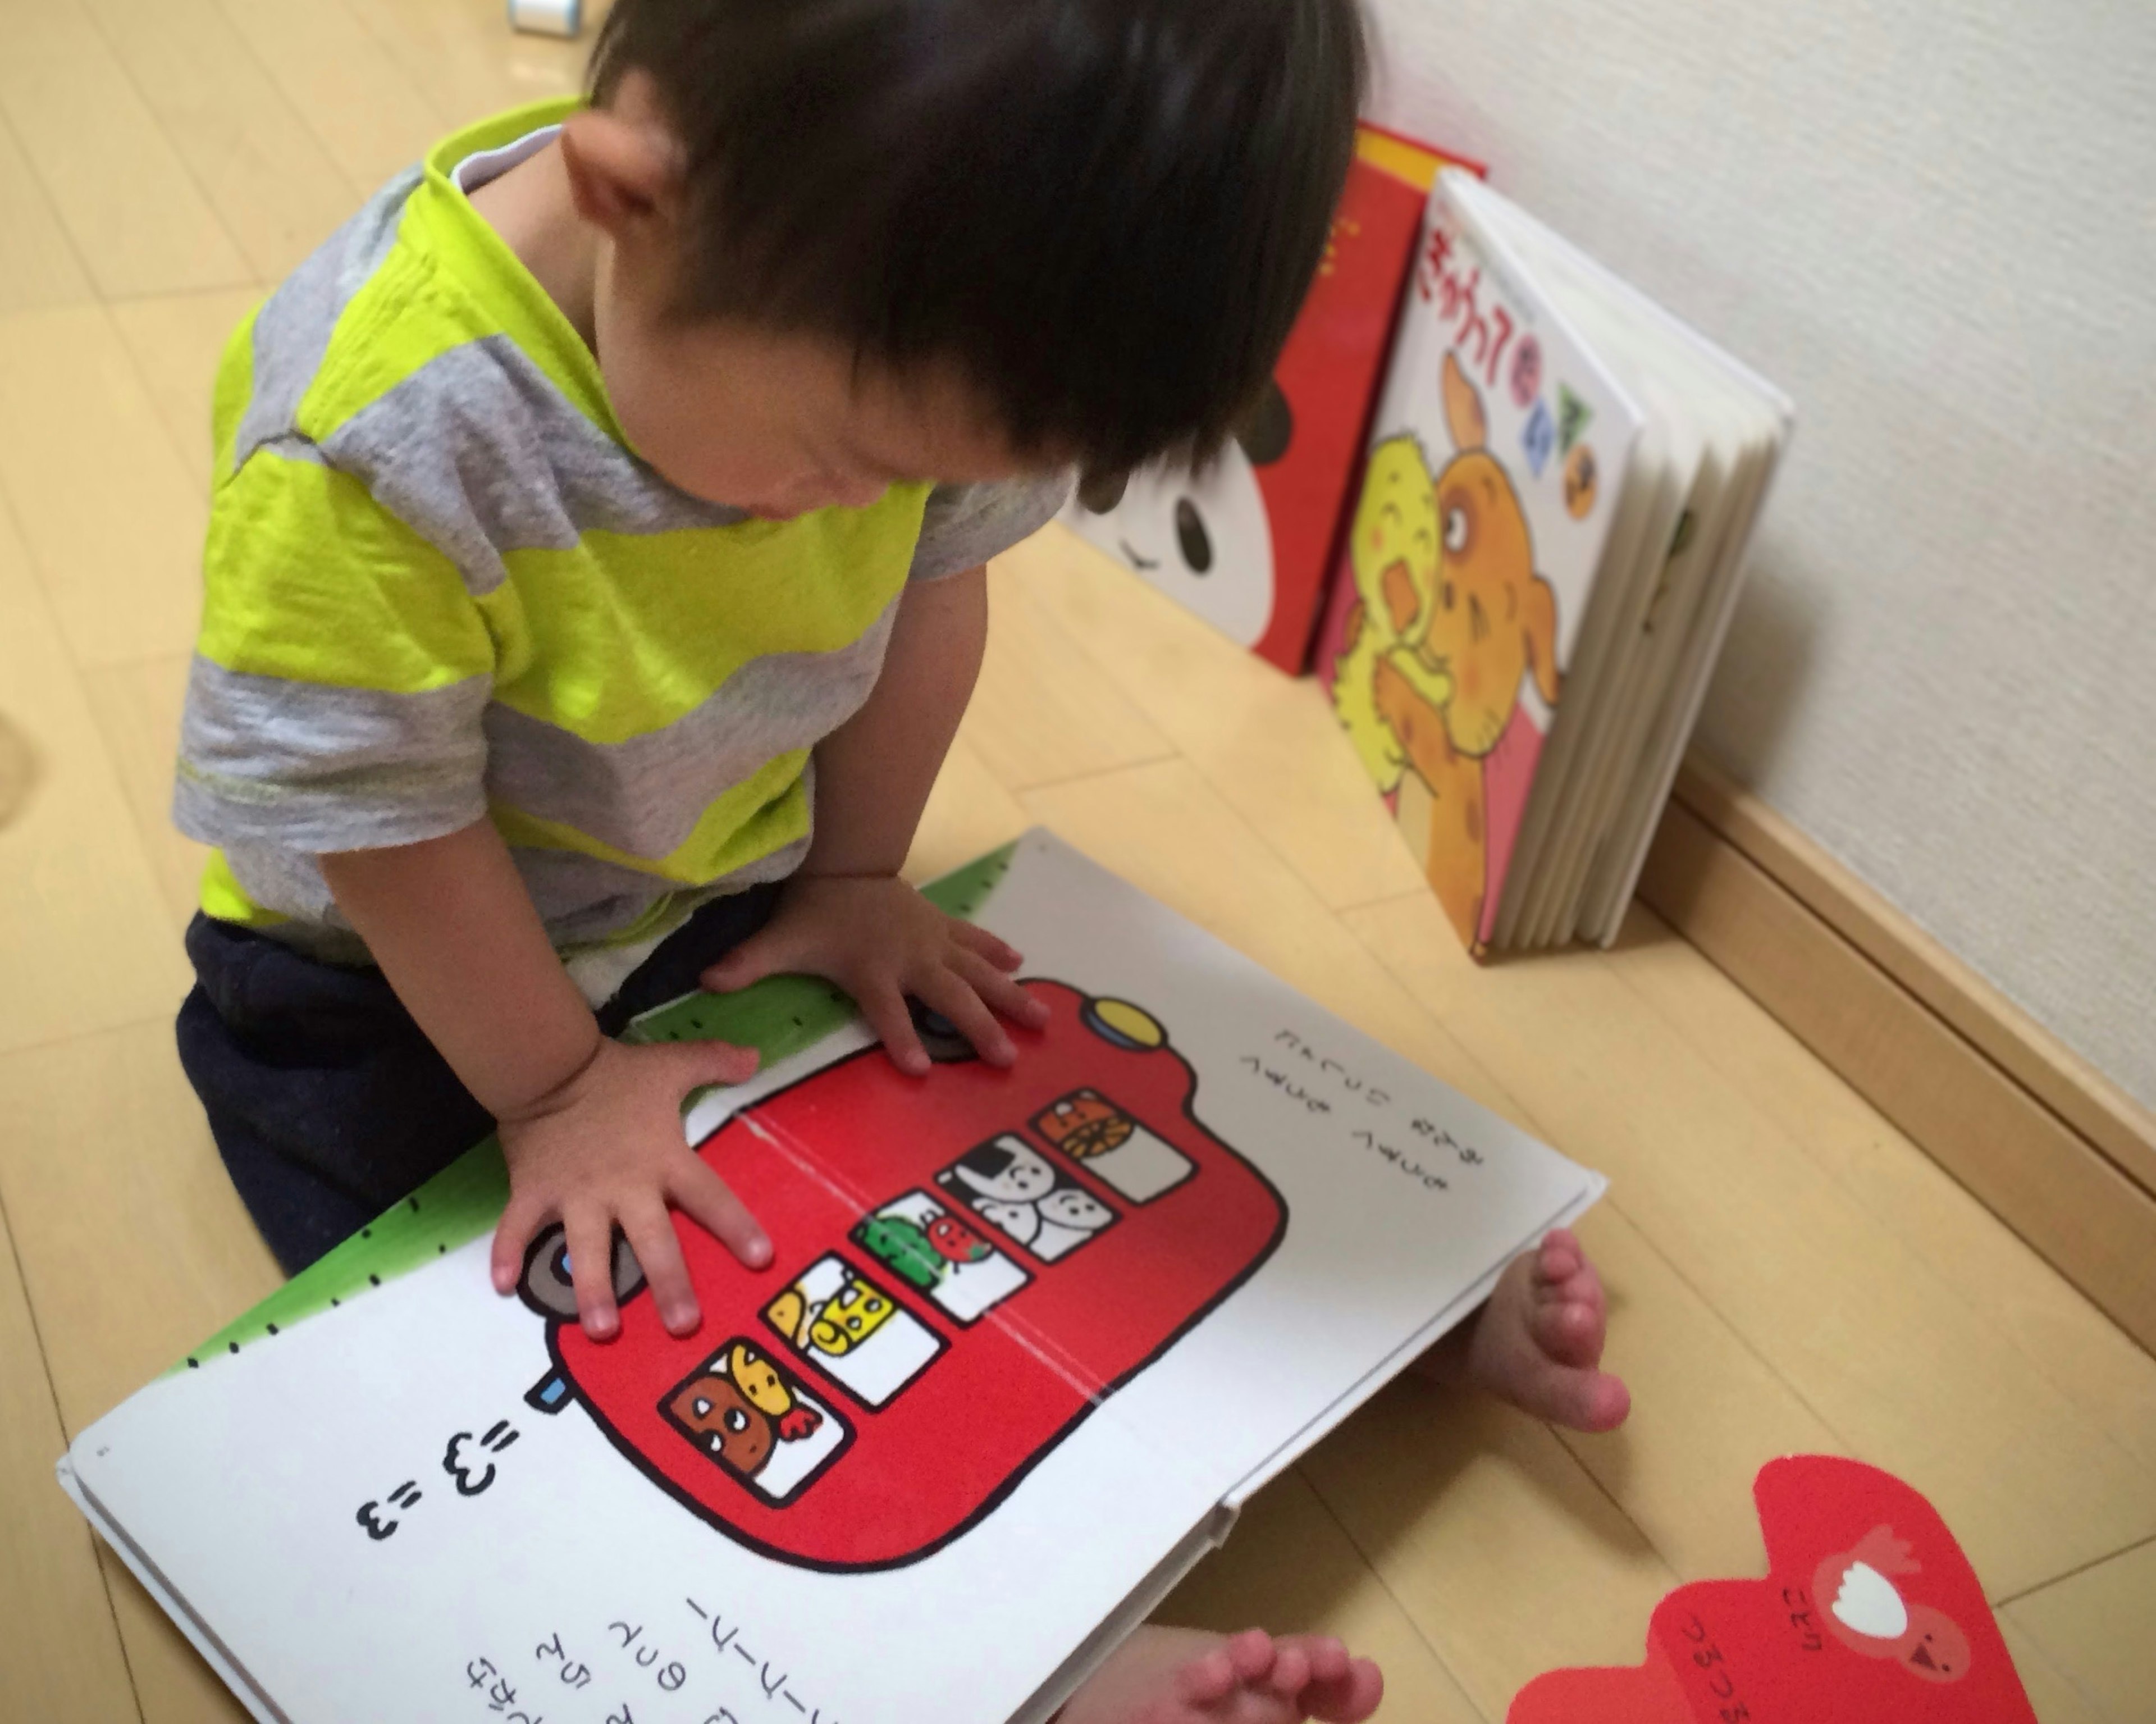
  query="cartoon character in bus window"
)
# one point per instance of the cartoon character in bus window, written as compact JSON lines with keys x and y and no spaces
{"x":851,"y":1330}
{"x":1115,"y":1148}
{"x":830,"y":1441}
{"x":1015,"y":1189}
{"x":932,"y":1250}
{"x":756,"y":1421}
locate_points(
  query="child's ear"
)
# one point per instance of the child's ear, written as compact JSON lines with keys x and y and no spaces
{"x":623,"y":174}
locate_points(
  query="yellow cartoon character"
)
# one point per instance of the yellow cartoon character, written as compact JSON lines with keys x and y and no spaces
{"x":834,"y":1325}
{"x":1444,"y":675}
{"x":1393,"y":555}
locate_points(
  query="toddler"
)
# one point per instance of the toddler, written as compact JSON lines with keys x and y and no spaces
{"x":594,"y":584}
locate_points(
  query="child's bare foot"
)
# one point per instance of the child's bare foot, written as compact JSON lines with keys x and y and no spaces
{"x":1537,"y":1343}
{"x":1182,"y":1676}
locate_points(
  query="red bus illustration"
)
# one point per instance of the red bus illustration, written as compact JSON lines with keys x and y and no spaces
{"x":968,"y":1265}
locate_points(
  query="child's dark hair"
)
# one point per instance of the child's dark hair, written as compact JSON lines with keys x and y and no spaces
{"x":1105,"y":212}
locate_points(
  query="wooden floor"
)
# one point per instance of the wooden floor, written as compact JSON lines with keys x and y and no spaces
{"x":1788,"y":1272}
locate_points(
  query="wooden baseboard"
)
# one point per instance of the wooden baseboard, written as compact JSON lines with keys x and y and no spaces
{"x":2061,"y":1156}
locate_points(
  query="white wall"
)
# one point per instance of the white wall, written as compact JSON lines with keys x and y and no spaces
{"x":1935,"y":225}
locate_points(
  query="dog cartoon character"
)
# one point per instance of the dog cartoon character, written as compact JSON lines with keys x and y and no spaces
{"x":743,"y":1412}
{"x":1450,"y":617}
{"x":1202,"y":534}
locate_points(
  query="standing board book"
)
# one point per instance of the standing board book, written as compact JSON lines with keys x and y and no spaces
{"x":1562,"y":486}
{"x":1030,"y":1339}
{"x":1248,"y":541}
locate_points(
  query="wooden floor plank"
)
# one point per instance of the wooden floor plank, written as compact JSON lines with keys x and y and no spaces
{"x":39,"y":268}
{"x":1707,"y":1413}
{"x":370,"y":118}
{"x":85,"y":942}
{"x":137,"y":709}
{"x":176,"y":341}
{"x":1289,"y":1567}
{"x":467,"y":66}
{"x":2096,"y":1625}
{"x":1267,"y":743}
{"x":1508,"y":1557}
{"x":135,"y":215}
{"x":1903,"y":1369}
{"x":270,"y":182}
{"x":1041,"y":712}
{"x":112,"y":518}
{"x":969,"y":815}
{"x":133,"y":1243}
{"x":2089,"y":1358}
{"x":2051,"y":1691}
{"x":60,"y":1661}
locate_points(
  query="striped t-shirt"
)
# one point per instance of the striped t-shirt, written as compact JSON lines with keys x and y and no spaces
{"x":439,"y":585}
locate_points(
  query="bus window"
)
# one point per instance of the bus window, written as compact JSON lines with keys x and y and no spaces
{"x":852,"y":1331}
{"x":1015,"y":1189}
{"x":934,"y":1252}
{"x":756,"y":1421}
{"x":1116,"y":1150}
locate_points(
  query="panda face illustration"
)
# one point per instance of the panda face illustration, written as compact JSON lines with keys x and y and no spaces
{"x":1201,"y":535}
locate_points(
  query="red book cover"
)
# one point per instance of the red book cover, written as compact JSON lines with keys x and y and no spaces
{"x":1249,"y":542}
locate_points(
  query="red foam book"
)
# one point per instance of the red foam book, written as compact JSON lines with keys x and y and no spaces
{"x":1869,"y":1614}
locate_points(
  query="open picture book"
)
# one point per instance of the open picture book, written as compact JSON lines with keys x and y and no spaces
{"x":1031,"y":1338}
{"x":1561,"y":488}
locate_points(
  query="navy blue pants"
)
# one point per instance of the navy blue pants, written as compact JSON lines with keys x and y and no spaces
{"x":329,"y":1103}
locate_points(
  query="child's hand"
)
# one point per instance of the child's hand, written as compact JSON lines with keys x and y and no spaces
{"x":881,"y":941}
{"x":606,"y":1150}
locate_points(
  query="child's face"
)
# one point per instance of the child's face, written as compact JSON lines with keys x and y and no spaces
{"x":731,"y":411}
{"x":782,"y":424}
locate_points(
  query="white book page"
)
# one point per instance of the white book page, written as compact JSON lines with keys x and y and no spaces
{"x":373,"y":1517}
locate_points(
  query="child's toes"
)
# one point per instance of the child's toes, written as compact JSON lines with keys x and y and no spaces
{"x":1328,"y":1657}
{"x":1569,"y":1333}
{"x":1582,"y":1287}
{"x":1207,"y":1680}
{"x":1290,"y":1671}
{"x":1347,"y":1698}
{"x":1559,"y":1258}
{"x":1251,"y":1654}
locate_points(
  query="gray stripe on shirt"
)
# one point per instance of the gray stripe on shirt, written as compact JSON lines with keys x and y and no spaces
{"x":581,"y":899}
{"x":292,"y":330}
{"x":480,"y":453}
{"x":966,"y":524}
{"x":316,"y":768}
{"x":643,"y":796}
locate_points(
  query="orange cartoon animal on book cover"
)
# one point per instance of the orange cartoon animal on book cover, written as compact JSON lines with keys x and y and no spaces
{"x":1561,"y":484}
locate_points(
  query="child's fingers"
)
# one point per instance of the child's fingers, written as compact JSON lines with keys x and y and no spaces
{"x":713,"y":1062}
{"x":522,"y":1218}
{"x":704,"y":1197}
{"x":1000,"y":993}
{"x":949,"y":993}
{"x":1000,"y":953}
{"x":590,"y":1232}
{"x":651,"y":1236}
{"x":884,"y":1009}
{"x":766,"y":952}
